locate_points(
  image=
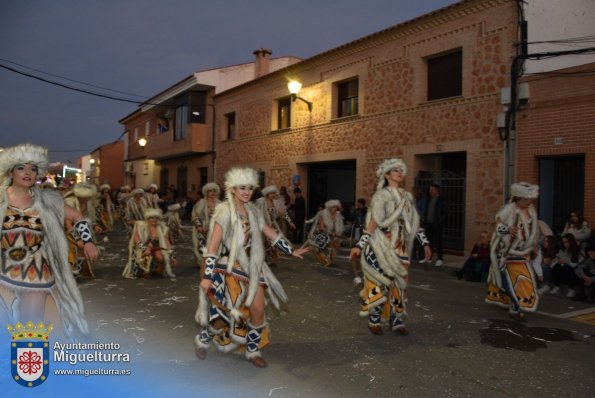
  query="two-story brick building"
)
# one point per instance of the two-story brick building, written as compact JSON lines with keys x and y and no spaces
{"x":169,"y":140}
{"x":427,"y":90}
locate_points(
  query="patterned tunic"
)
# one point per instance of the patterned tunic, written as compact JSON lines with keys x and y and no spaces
{"x":25,"y":262}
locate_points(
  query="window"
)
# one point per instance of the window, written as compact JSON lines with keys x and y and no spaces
{"x":147,"y":128}
{"x":284,"y":113}
{"x":348,"y":93}
{"x":181,"y":122}
{"x":135,"y":134}
{"x":445,"y":76}
{"x":162,"y":125}
{"x":231,"y":125}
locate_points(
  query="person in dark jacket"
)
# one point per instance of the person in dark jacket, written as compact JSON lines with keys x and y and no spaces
{"x":434,"y":217}
{"x":299,"y":209}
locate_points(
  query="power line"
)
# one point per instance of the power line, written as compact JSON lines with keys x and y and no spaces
{"x":71,"y":80}
{"x":80,"y":90}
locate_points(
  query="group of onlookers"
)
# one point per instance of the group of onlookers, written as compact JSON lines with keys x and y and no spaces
{"x":562,"y":263}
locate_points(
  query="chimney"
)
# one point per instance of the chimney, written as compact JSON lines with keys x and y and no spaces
{"x":261,"y":64}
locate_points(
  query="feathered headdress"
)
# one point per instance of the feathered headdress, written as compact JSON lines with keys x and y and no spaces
{"x":524,"y":190}
{"x":387,"y":166}
{"x":22,"y":154}
{"x":332,"y":203}
{"x":84,"y":190}
{"x":211,"y":186}
{"x":269,"y":189}
{"x":240,"y":176}
{"x":152,"y":212}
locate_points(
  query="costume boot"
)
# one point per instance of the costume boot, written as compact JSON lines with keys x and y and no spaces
{"x":202,"y":341}
{"x":252,"y":345}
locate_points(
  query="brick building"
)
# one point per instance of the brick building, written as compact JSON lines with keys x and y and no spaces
{"x":427,"y":90}
{"x":556,"y":142}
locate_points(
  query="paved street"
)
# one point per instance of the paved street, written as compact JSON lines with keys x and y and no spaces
{"x":458,"y":346}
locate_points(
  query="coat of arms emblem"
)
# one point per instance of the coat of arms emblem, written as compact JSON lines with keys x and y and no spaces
{"x":29,"y":353}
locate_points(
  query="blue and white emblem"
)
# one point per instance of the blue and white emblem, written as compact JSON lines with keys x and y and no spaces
{"x":30,"y":353}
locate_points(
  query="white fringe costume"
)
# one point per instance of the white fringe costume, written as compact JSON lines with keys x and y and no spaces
{"x":511,"y":281}
{"x":326,"y":232}
{"x":272,"y":216}
{"x":385,"y":259}
{"x":201,"y":217}
{"x":240,"y":270}
{"x":135,"y":208}
{"x":140,"y":265}
{"x":48,"y":206}
{"x":79,"y":264}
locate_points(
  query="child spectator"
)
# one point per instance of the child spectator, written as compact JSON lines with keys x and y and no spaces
{"x":475,"y":268}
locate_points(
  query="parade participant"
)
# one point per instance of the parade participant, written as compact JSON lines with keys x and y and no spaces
{"x":135,"y":207}
{"x":511,"y":281}
{"x":171,"y":218}
{"x":275,"y":212}
{"x":392,"y":225}
{"x":82,"y":197}
{"x":36,"y":282}
{"x":150,"y":250}
{"x":105,"y":210}
{"x":152,"y":196}
{"x":201,"y":216}
{"x":231,"y":309}
{"x":326,"y":234}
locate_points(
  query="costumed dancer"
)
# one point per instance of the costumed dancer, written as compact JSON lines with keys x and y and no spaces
{"x":201,"y":216}
{"x":105,"y":210}
{"x":173,"y":222}
{"x":231,"y":310}
{"x":150,"y":250}
{"x":274,"y":211}
{"x":392,"y":225}
{"x":124,"y":194}
{"x":82,"y":197}
{"x":152,"y":196}
{"x":36,"y":281}
{"x":135,"y":208}
{"x":511,"y":280}
{"x":326,"y":232}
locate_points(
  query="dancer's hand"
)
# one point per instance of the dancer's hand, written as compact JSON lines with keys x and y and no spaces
{"x":299,"y":253}
{"x":206,"y":285}
{"x":356,"y":252}
{"x":90,"y":251}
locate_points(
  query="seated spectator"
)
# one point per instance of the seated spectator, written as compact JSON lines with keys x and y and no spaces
{"x":567,"y":258}
{"x":585,"y":271}
{"x":579,"y":227}
{"x":475,"y":268}
{"x":545,"y":260}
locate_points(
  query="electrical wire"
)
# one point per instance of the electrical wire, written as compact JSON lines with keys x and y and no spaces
{"x":71,"y":80}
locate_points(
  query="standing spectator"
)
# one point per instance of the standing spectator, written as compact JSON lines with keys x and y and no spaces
{"x":567,"y":259}
{"x":579,"y":227}
{"x":421,"y":203}
{"x":299,"y":211}
{"x":359,"y":218}
{"x":585,"y":271}
{"x":435,"y":216}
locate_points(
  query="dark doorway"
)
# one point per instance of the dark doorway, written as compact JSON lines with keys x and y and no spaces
{"x":562,"y":189}
{"x":182,"y":181}
{"x":331,"y":180}
{"x":449,"y":170}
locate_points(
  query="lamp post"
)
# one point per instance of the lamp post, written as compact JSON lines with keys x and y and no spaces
{"x":294,"y":88}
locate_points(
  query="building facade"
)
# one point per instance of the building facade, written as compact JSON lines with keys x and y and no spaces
{"x":427,"y":90}
{"x":106,"y":165}
{"x":170,"y":139}
{"x":556,"y":142}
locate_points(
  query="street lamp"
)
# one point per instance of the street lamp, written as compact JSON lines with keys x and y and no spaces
{"x":142,"y":142}
{"x":294,"y":89}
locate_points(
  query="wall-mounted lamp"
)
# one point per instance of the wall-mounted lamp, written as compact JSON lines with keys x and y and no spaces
{"x":92,"y":161}
{"x":142,"y":142}
{"x":294,"y":88}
